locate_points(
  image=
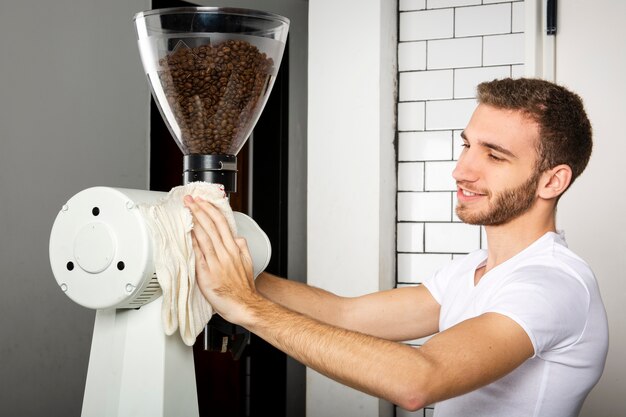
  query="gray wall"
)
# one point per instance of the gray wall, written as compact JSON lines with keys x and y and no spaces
{"x":73,"y":114}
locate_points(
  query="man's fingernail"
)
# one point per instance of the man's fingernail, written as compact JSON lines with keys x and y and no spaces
{"x":188,"y":199}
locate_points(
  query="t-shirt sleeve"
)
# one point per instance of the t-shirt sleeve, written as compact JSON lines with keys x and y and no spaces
{"x":550,"y":304}
{"x":437,"y":282}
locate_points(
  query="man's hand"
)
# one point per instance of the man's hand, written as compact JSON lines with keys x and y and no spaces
{"x":223,"y":263}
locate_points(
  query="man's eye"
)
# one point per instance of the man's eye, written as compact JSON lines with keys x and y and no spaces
{"x":465,"y":145}
{"x":495,"y":158}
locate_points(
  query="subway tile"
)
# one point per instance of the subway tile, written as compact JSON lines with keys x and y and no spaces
{"x":426,"y":85}
{"x":454,"y":53}
{"x":518,"y":71}
{"x":416,"y":267}
{"x":410,"y":237}
{"x":482,"y":20}
{"x":451,"y":237}
{"x":457,"y":144}
{"x":406,"y":5}
{"x":496,"y":1}
{"x":426,"y":24}
{"x":504,"y":49}
{"x":410,"y":176}
{"x":466,"y":80}
{"x":412,"y":56}
{"x":518,"y":20}
{"x":449,"y":114}
{"x":455,"y":201}
{"x":424,"y":146}
{"x":435,"y":4}
{"x":424,"y":206}
{"x":438,"y":176}
{"x":411,"y":116}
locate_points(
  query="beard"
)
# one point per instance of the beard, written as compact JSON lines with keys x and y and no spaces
{"x":506,"y":205}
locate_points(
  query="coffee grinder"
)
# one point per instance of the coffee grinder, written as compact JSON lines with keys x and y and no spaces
{"x":210,"y":71}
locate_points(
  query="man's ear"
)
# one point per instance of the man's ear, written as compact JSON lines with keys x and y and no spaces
{"x":554,"y":182}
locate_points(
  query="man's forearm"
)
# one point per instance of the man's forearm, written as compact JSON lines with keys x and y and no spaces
{"x":311,"y":301}
{"x":388,"y":370}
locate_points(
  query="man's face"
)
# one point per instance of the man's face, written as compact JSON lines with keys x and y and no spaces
{"x":495,"y":175}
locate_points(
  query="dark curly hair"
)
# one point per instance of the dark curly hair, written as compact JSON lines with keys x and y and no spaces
{"x":564,"y":129}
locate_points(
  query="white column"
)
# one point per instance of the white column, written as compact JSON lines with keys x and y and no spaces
{"x":351,"y":168}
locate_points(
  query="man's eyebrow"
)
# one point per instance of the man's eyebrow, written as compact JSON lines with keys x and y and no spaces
{"x":493,"y":146}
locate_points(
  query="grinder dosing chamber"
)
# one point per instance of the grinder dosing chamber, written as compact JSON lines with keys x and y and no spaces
{"x":211,"y":71}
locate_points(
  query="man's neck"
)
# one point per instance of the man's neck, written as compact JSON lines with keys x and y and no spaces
{"x":507,"y":240}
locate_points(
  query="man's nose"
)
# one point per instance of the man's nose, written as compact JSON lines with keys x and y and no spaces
{"x":465,"y":169}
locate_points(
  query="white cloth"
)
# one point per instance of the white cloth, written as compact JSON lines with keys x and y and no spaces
{"x":553,"y":295}
{"x":170,"y":223}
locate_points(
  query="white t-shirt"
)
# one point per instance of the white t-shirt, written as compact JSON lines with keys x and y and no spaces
{"x":553,"y":295}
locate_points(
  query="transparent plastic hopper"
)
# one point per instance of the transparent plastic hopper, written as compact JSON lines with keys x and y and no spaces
{"x":210,"y":71}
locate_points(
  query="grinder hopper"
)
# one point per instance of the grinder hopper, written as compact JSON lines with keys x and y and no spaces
{"x":211,"y":71}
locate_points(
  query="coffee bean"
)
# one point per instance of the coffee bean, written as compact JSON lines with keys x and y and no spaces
{"x":214,"y":92}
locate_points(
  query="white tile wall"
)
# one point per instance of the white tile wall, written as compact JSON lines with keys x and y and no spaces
{"x":438,"y":176}
{"x":411,"y":5}
{"x":426,"y":85}
{"x":446,"y":47}
{"x":504,"y":49}
{"x":426,"y":24}
{"x":518,"y":17}
{"x":517,"y":71}
{"x":411,"y":116}
{"x":455,"y":218}
{"x":457,"y":144}
{"x":411,"y":176}
{"x":454,"y":53}
{"x":433,"y":4}
{"x":449,"y":114}
{"x":415,"y":267}
{"x":420,"y":207}
{"x":451,"y":237}
{"x":495,"y":19}
{"x":466,"y":79}
{"x":412,"y":56}
{"x":424,"y":146}
{"x":410,"y":237}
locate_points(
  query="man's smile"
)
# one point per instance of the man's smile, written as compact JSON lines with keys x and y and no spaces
{"x":464,"y":194}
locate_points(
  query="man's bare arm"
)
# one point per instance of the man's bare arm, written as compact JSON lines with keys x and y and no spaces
{"x":399,"y":314}
{"x":470,"y":355}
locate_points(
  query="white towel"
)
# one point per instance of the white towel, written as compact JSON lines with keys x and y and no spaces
{"x":170,"y":224}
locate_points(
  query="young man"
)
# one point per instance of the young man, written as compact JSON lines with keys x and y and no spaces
{"x":518,"y":329}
